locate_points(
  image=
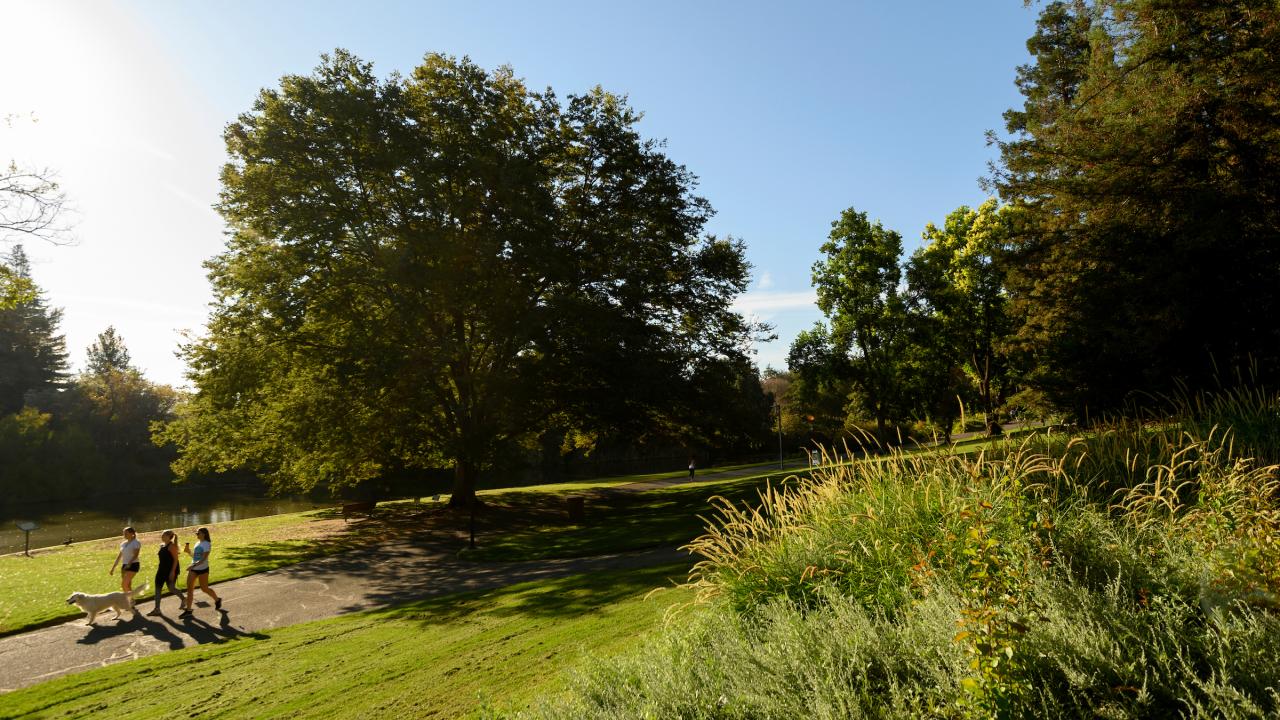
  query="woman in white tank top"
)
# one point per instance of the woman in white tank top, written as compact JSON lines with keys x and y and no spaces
{"x":127,"y":559}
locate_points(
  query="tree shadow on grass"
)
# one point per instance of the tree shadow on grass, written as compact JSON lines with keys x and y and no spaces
{"x":615,"y":521}
{"x":400,"y":523}
{"x":411,"y":553}
{"x":562,"y":597}
{"x":417,"y":582}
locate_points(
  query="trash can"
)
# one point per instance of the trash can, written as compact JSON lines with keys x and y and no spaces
{"x":577,"y":506}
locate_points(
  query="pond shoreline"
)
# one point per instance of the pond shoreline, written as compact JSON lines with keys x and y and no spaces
{"x":66,"y":523}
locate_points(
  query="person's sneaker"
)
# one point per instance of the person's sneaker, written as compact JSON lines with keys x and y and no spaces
{"x":186,"y":612}
{"x":217,"y":604}
{"x":154,"y":612}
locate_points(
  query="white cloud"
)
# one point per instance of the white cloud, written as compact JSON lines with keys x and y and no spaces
{"x":765,"y":282}
{"x":767,"y":303}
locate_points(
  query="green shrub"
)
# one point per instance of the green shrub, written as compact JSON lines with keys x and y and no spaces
{"x":1130,"y":572}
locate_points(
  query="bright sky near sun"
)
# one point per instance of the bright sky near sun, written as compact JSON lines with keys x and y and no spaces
{"x":787,"y":112}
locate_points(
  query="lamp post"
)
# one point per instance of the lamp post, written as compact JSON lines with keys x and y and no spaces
{"x":809,"y":449}
{"x":781,"y":464}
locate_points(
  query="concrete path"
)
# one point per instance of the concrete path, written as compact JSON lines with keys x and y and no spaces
{"x":308,"y":591}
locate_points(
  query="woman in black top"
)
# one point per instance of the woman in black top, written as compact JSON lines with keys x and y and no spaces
{"x":167,"y":568}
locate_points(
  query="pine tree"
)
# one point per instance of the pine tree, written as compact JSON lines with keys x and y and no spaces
{"x":1143,"y":171}
{"x":107,"y":353}
{"x":33,"y":355}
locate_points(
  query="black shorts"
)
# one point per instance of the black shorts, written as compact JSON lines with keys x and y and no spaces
{"x":198,"y":572}
{"x":131,"y":567}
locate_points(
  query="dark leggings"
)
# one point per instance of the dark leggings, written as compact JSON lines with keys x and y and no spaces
{"x":163,"y":579}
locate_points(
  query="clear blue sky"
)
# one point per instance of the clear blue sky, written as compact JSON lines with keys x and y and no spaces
{"x":786,"y":114}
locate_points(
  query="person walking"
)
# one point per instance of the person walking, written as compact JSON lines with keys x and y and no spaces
{"x":127,"y":559}
{"x":693,"y":466}
{"x":198,"y":570}
{"x":167,"y":568}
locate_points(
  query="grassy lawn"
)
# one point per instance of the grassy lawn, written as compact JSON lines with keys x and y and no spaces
{"x":530,"y":525}
{"x":612,"y":481}
{"x":517,"y":524}
{"x":34,"y":590}
{"x":441,"y":657}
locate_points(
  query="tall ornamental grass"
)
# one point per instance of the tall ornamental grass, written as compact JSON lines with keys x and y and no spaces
{"x":1131,"y":571}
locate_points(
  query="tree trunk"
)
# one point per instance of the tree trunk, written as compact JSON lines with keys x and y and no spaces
{"x":464,"y":484}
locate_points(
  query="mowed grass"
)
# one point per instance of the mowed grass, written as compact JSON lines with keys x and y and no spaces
{"x":33,"y":590}
{"x":517,"y":524}
{"x":530,"y":525}
{"x":585,"y":484}
{"x":442,"y":657}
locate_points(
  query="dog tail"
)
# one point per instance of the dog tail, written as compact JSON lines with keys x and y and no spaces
{"x":142,"y":589}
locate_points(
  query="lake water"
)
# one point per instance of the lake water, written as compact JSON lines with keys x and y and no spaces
{"x":106,"y":517}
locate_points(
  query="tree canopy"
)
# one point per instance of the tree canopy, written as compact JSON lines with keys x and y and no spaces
{"x":423,"y":270}
{"x":107,"y":353}
{"x":858,"y":290}
{"x":1143,"y":174}
{"x":958,"y":276}
{"x":33,"y":354}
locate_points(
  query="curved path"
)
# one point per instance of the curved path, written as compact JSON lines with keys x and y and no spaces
{"x":311,"y":590}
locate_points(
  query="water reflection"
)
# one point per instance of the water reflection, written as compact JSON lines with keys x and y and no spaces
{"x":104,"y":518}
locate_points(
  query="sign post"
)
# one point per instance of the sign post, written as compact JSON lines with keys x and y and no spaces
{"x":27,"y":526}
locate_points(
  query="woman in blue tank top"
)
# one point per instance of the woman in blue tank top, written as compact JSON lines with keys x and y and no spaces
{"x":198,"y":570}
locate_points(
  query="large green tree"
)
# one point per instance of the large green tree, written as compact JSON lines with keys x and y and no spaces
{"x":424,"y":270}
{"x":858,"y":283}
{"x":958,"y":276}
{"x":1143,"y":173}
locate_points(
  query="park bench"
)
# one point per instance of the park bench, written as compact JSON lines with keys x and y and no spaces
{"x":353,"y":508}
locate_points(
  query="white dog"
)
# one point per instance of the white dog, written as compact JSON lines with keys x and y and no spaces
{"x":115,"y":601}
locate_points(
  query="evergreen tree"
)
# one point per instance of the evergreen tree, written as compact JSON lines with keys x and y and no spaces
{"x":107,"y":353}
{"x":33,"y":356}
{"x":1143,"y":171}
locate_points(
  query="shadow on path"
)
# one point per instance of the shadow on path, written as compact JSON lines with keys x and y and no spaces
{"x":202,"y":632}
{"x":167,"y":630}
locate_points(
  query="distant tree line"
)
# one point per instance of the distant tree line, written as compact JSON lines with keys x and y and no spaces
{"x":1134,"y":248}
{"x":65,"y":436}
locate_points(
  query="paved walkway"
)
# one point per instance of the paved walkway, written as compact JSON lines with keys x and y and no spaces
{"x":308,"y":591}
